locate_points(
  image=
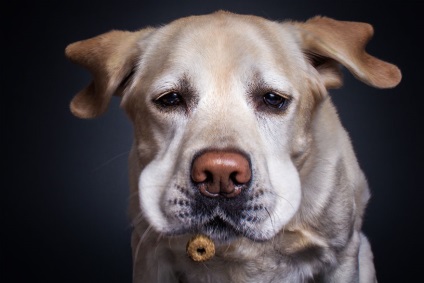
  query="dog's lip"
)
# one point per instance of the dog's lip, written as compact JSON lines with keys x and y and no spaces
{"x":217,"y":224}
{"x":219,"y":229}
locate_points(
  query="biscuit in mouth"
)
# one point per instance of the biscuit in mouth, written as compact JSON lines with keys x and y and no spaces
{"x":200,"y":248}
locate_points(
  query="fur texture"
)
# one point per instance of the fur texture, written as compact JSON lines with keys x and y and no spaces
{"x":203,"y":83}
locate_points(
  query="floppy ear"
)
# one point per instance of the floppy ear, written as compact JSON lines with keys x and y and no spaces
{"x":328,"y":42}
{"x":110,"y":58}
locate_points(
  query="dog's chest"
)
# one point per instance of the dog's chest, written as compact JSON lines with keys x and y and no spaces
{"x":260,"y":270}
{"x":254,"y":262}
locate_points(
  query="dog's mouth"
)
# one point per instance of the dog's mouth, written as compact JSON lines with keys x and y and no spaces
{"x":222,"y":219}
{"x":219,"y":230}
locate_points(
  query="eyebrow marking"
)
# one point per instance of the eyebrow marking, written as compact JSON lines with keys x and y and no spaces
{"x":258,"y":87}
{"x":182,"y":86}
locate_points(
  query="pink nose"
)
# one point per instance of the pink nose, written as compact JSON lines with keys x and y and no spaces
{"x":220,"y":173}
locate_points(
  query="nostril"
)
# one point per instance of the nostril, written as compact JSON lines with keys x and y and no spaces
{"x":201,"y":176}
{"x":209,"y":177}
{"x":241,"y":177}
{"x":233,"y":178}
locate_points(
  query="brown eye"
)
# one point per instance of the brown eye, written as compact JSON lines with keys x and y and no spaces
{"x":170,"y":99}
{"x":274,"y":100}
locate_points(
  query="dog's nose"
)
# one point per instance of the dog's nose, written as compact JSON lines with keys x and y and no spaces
{"x":220,"y":173}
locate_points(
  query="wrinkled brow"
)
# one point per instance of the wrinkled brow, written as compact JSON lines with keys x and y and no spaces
{"x":185,"y":86}
{"x":181,"y":85}
{"x":261,"y":82}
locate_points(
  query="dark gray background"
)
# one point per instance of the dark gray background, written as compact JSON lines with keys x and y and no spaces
{"x":64,"y":180}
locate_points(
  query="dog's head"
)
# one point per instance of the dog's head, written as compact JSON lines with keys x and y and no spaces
{"x":223,"y":107}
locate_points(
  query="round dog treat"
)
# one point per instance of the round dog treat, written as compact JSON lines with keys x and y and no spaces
{"x":200,"y":248}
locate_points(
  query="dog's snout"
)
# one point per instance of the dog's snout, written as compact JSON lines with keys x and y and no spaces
{"x":222,"y":173}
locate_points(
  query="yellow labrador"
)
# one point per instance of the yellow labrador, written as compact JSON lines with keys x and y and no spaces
{"x":237,"y":138}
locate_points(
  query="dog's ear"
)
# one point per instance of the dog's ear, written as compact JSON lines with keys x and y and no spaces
{"x":328,"y":42}
{"x":110,"y":58}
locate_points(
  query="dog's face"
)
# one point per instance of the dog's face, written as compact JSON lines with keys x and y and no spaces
{"x":222,"y":107}
{"x":219,"y":91}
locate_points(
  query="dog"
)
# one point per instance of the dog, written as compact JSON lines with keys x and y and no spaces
{"x":236,"y":138}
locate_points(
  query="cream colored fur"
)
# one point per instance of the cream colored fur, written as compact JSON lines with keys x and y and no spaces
{"x":307,"y":195}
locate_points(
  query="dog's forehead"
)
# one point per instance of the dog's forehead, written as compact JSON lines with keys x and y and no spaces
{"x":223,"y":45}
{"x":225,"y":38}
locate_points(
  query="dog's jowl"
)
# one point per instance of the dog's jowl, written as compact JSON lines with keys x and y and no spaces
{"x":236,"y":139}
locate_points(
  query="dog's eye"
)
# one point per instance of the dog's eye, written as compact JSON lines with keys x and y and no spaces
{"x":170,"y":99}
{"x":274,"y":100}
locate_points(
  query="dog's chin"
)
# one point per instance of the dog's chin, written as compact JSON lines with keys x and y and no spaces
{"x":219,"y":230}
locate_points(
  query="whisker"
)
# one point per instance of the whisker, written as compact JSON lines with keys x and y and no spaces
{"x":269,"y":214}
{"x":137,"y":220}
{"x":227,"y":248}
{"x":158,"y":239}
{"x":280,"y":196}
{"x":137,"y":249}
{"x":134,"y":194}
{"x":146,"y":232}
{"x":272,"y":222}
{"x":111,"y":160}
